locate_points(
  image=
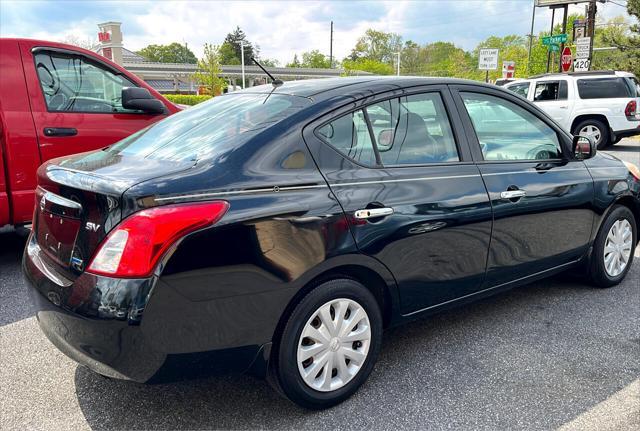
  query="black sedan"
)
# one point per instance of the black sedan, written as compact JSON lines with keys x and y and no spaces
{"x":279,"y":230}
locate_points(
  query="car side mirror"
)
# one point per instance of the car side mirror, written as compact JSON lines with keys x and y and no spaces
{"x":140,"y":99}
{"x":584,"y":147}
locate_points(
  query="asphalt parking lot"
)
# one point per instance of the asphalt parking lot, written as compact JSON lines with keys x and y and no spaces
{"x":554,"y":354}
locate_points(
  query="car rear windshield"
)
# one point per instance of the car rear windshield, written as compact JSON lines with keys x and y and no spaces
{"x":210,"y":128}
{"x":604,"y":88}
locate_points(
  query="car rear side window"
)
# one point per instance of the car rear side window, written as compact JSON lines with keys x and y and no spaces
{"x":603,"y":88}
{"x":506,"y":131}
{"x":350,"y":135}
{"x":551,"y":90}
{"x":410,"y":130}
{"x":72,"y":83}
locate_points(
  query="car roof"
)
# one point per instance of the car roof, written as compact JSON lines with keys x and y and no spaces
{"x":324,"y":88}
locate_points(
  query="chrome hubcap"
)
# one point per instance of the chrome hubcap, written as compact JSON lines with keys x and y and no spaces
{"x":617,"y":247}
{"x":591,"y":131}
{"x":334,"y":345}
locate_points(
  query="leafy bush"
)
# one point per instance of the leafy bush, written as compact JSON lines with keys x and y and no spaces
{"x":187,"y":99}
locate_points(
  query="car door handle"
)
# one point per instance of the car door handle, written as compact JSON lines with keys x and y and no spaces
{"x":373,"y":213}
{"x":60,"y":131}
{"x":513,"y":194}
{"x":563,"y":107}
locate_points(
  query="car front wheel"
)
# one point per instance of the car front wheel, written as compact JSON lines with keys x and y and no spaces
{"x":329,"y":344}
{"x":596,"y":129}
{"x":614,"y":248}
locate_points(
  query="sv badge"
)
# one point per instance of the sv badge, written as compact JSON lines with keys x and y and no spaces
{"x":92,"y":226}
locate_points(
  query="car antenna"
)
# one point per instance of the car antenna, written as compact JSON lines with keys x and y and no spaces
{"x":275,"y":82}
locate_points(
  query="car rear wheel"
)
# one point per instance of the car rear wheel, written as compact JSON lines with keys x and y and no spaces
{"x":596,"y":129}
{"x":614,"y":248}
{"x":329,"y":344}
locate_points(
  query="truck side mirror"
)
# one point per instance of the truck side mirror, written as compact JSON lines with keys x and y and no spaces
{"x":140,"y":99}
{"x":584,"y":147}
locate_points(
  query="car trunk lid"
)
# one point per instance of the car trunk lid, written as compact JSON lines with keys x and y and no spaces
{"x":79,"y":200}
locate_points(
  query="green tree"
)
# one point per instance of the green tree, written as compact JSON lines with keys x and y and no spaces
{"x":351,"y":67}
{"x":295,"y":62}
{"x":209,"y":70}
{"x":269,"y":62}
{"x":172,"y":53}
{"x":237,"y":38}
{"x":627,"y":41}
{"x":377,"y":45}
{"x":228,"y":54}
{"x":315,"y":60}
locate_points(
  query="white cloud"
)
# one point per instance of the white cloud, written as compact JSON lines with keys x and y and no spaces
{"x":283,"y":28}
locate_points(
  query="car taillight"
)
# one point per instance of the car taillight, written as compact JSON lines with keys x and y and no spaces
{"x":630,"y":110}
{"x":134,"y":247}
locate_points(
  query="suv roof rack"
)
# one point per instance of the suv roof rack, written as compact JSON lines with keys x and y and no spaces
{"x":590,"y":72}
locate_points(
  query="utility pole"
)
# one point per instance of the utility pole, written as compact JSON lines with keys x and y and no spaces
{"x":533,"y":18}
{"x":591,"y":25}
{"x":398,"y":71}
{"x":553,"y":17}
{"x":331,"y":47}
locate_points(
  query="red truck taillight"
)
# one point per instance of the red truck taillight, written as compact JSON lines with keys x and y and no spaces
{"x":631,"y":109}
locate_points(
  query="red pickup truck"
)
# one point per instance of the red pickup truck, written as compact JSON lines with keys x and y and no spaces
{"x":58,"y":99}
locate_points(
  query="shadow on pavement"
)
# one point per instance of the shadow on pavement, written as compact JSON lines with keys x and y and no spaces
{"x":14,"y":301}
{"x":535,"y":357}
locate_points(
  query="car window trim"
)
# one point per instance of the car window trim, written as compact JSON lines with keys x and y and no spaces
{"x":564,"y":139}
{"x":96,"y":62}
{"x":363,"y":103}
{"x":374,"y":142}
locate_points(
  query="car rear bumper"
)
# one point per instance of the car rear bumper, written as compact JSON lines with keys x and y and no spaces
{"x":98,"y":322}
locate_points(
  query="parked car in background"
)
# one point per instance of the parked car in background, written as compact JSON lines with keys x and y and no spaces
{"x":279,"y":229}
{"x":602,"y":104}
{"x":58,"y":99}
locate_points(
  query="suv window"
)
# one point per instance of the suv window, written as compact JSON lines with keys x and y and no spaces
{"x":407,"y":131}
{"x":603,"y":88}
{"x":72,"y":83}
{"x":507,"y":131}
{"x":551,"y":90}
{"x":521,"y":89}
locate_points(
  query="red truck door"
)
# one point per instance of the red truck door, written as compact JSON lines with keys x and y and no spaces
{"x":76,"y":100}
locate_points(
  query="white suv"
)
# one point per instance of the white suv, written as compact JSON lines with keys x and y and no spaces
{"x":603,"y":104}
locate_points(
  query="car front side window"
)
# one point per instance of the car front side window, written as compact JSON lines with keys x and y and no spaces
{"x":72,"y":83}
{"x":506,"y":131}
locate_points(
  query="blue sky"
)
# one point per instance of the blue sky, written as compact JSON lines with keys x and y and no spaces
{"x":280,"y":28}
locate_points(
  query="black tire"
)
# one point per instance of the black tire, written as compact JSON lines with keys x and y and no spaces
{"x":288,"y":380}
{"x":597,"y":271}
{"x":604,"y":131}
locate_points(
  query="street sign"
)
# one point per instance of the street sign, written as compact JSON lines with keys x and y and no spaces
{"x":508,"y":69}
{"x":565,"y":60}
{"x":488,"y":59}
{"x":583,"y":47}
{"x":554,"y":48}
{"x":581,"y":65}
{"x":555,"y":39}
